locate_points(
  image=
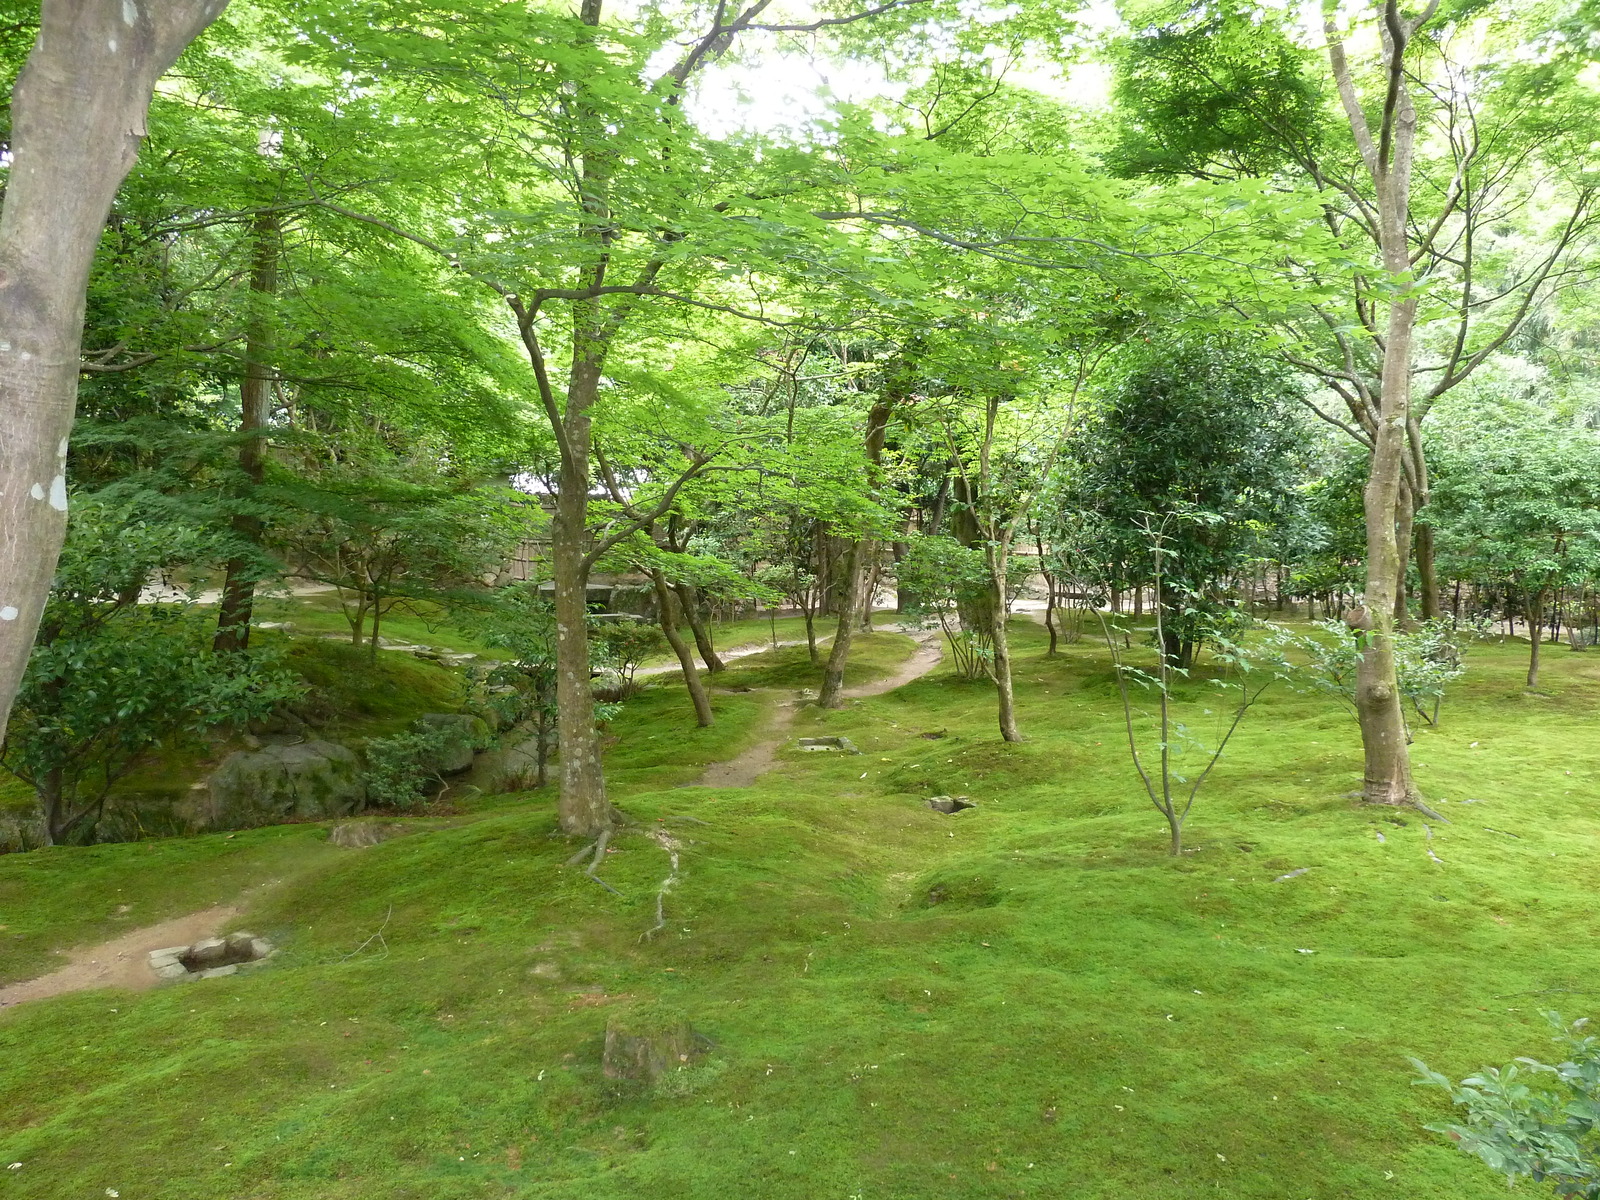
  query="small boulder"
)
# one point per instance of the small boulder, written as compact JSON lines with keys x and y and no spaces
{"x":208,"y":952}
{"x":950,"y":804}
{"x":644,"y":1053}
{"x":358,"y":835}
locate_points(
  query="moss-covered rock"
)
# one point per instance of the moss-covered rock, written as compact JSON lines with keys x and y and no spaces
{"x":310,"y":780}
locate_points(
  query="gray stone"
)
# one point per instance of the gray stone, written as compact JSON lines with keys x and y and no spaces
{"x":950,"y":804}
{"x":217,"y":972}
{"x":358,"y":835}
{"x":468,"y":735}
{"x":642,"y":1054}
{"x":311,"y":780}
{"x":835,"y":744}
{"x":209,"y":952}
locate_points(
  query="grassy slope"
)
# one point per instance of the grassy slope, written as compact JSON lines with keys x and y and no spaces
{"x":1079,"y":1017}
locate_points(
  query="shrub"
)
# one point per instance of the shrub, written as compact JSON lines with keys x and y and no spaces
{"x":1550,"y":1133}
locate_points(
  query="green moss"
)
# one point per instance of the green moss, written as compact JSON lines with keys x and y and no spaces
{"x":1095,"y":1021}
{"x":360,"y":693}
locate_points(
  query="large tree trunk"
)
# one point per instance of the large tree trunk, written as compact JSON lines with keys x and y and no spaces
{"x":691,"y":674}
{"x":77,"y":115}
{"x":52,"y":804}
{"x":1387,"y":777}
{"x":584,"y":809}
{"x":255,"y":409}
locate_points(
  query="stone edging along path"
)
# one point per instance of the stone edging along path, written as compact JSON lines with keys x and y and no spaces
{"x":123,"y":962}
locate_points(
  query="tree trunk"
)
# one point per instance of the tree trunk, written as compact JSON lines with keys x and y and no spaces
{"x":1387,"y":775}
{"x":832,"y":695}
{"x":858,"y":574}
{"x":1402,"y":540}
{"x":1049,"y":606}
{"x":1004,"y":693}
{"x":52,"y":806}
{"x":77,"y":116}
{"x":1534,"y":605}
{"x":1422,"y":543}
{"x":255,"y":409}
{"x":689,"y":601}
{"x":691,"y":674}
{"x":372,"y":636}
{"x":585,"y":811}
{"x":811,"y":636}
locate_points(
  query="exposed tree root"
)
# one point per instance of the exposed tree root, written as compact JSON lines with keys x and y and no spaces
{"x":598,"y":846}
{"x":1416,"y":803}
{"x":671,"y":845}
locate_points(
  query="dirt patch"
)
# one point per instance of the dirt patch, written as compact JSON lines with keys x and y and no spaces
{"x":123,"y":962}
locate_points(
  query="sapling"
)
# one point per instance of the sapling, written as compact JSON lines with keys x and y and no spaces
{"x":1245,"y":676}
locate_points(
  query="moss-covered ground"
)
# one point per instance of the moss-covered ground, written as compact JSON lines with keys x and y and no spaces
{"x":1026,"y":999}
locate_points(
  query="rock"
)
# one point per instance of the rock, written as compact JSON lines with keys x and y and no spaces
{"x":358,"y":835}
{"x":933,"y":734}
{"x":21,"y":828}
{"x":310,"y":780}
{"x":950,"y":804}
{"x":209,"y":952}
{"x":469,"y":734}
{"x":168,"y":964}
{"x":828,"y":743}
{"x":241,"y":946}
{"x":211,"y":957}
{"x":643,"y":1054}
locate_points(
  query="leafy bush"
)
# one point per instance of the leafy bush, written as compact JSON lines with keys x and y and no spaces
{"x":1550,"y":1134}
{"x":110,"y":679}
{"x":403,"y":770}
{"x":621,"y":647}
{"x":1427,"y":660}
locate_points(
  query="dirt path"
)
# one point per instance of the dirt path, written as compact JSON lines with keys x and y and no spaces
{"x":744,"y":769}
{"x":123,"y":962}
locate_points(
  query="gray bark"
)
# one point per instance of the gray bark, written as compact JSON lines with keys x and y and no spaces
{"x":78,"y":114}
{"x":1388,"y":159}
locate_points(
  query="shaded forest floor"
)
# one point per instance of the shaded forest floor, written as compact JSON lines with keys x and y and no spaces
{"x":1026,"y":999}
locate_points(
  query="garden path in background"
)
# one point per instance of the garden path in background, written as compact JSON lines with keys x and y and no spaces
{"x":123,"y":962}
{"x":744,"y":769}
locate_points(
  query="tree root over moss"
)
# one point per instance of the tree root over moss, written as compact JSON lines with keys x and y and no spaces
{"x":672,"y":846}
{"x":598,"y":846}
